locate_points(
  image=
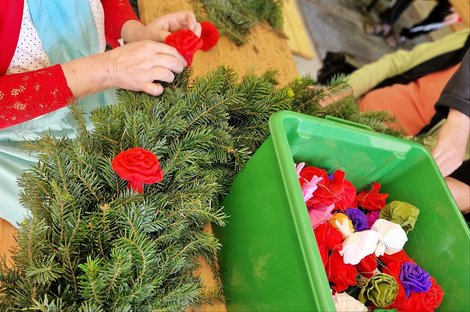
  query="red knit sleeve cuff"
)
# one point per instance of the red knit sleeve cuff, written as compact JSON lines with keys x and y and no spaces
{"x":116,"y":13}
{"x":29,"y":95}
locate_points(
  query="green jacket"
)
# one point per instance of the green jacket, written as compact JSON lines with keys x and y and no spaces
{"x":393,"y":64}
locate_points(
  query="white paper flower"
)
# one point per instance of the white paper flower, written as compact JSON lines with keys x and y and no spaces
{"x":346,"y":303}
{"x":392,"y":237}
{"x":358,"y":246}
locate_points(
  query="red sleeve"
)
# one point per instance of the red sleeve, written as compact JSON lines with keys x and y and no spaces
{"x":32,"y":94}
{"x":116,"y":13}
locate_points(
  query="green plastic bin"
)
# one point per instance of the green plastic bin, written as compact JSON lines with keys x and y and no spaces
{"x":269,"y":259}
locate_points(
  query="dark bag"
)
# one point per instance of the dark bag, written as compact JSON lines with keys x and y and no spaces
{"x":334,"y":64}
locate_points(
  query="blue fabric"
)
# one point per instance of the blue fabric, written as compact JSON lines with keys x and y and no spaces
{"x":67,"y":31}
{"x":64,"y":28}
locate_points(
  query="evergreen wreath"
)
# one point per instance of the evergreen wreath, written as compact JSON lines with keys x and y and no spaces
{"x":91,"y":244}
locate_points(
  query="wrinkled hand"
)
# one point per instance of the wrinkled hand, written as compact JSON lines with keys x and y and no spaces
{"x":161,"y":27}
{"x":136,"y":66}
{"x":451,"y":144}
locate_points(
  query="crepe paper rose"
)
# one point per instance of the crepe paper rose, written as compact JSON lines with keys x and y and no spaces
{"x":343,"y":189}
{"x":418,"y":301}
{"x":401,"y":213}
{"x":341,"y":275}
{"x":392,"y":237}
{"x":338,"y":191}
{"x":320,"y":215}
{"x":359,"y":245}
{"x":398,"y":257}
{"x":342,"y":219}
{"x":310,"y":187}
{"x":414,"y":278}
{"x":346,"y":303}
{"x":185,"y":42}
{"x":358,"y":219}
{"x":372,"y":200}
{"x":372,"y":216}
{"x":329,"y":236}
{"x":367,"y":266}
{"x":427,"y":301}
{"x":138,"y":166}
{"x":381,"y":290}
{"x":308,"y":172}
{"x":383,"y":237}
{"x":209,"y":35}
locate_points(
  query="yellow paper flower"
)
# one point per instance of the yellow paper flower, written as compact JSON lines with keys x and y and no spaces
{"x":342,"y":218}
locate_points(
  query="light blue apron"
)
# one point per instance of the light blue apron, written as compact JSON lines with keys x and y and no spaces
{"x":67,"y":31}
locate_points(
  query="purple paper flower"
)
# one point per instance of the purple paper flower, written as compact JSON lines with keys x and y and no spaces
{"x":414,"y":278}
{"x":358,"y":219}
{"x":372,"y":217}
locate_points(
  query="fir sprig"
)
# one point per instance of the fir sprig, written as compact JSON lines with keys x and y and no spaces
{"x":235,"y":18}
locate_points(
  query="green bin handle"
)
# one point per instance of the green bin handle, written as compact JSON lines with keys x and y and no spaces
{"x":348,"y":122}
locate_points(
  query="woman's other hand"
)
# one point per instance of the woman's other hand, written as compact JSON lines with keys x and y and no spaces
{"x":452,"y":141}
{"x":161,"y":27}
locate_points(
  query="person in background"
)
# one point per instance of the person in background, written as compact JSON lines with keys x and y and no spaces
{"x":408,"y":84}
{"x":53,"y":54}
{"x":441,"y":15}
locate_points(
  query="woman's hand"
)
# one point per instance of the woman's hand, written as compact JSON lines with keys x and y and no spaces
{"x":452,"y":141}
{"x":135,"y":66}
{"x":161,"y":27}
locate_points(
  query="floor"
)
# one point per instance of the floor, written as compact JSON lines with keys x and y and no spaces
{"x":337,"y":25}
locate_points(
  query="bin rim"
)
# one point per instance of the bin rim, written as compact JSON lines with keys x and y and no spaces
{"x":318,"y":280}
{"x":277,"y":130}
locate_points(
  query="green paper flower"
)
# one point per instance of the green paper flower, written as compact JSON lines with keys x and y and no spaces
{"x":402,"y":213}
{"x":381,"y":290}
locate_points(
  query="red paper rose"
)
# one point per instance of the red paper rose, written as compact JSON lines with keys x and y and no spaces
{"x":308,"y":172}
{"x":399,"y":257}
{"x":337,"y":191}
{"x":367,"y":265}
{"x":372,"y":200}
{"x":341,"y":275}
{"x":345,"y":191}
{"x":209,"y":35}
{"x":427,"y":301}
{"x":137,"y":166}
{"x":329,"y":236}
{"x":185,"y":42}
{"x":417,"y":301}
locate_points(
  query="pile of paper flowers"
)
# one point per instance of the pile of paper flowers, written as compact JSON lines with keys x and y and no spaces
{"x":360,"y":238}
